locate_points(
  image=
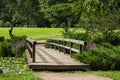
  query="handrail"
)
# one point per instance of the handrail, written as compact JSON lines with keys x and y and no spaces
{"x":30,"y":44}
{"x":58,"y":43}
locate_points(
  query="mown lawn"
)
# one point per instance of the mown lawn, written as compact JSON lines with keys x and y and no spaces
{"x":35,"y":33}
{"x":115,"y":75}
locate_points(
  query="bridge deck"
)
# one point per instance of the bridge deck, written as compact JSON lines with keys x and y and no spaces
{"x":46,"y":58}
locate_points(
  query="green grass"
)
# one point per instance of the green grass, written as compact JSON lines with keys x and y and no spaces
{"x":34,"y":33}
{"x":26,"y":76}
{"x":115,"y":75}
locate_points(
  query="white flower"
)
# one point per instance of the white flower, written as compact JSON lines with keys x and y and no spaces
{"x":6,"y":70}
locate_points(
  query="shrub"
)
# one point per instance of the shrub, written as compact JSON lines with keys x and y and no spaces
{"x":5,"y":49}
{"x":47,"y":44}
{"x":13,"y":47}
{"x":18,"y":48}
{"x":73,"y":34}
{"x":1,"y":23}
{"x":7,"y":24}
{"x":18,"y":38}
{"x":106,"y":57}
{"x":1,"y":38}
{"x":18,"y":45}
{"x":113,"y":38}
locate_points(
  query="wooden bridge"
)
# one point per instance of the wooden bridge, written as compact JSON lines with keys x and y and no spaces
{"x":57,"y":56}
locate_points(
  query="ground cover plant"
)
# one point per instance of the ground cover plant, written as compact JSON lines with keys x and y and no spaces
{"x":15,"y":69}
{"x":13,"y":64}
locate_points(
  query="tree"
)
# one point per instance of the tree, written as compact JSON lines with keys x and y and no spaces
{"x":60,"y":14}
{"x":92,"y":13}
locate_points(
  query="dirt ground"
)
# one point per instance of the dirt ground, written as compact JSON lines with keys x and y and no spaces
{"x":69,"y":76}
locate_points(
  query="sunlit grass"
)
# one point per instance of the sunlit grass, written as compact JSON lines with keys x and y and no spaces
{"x":115,"y":75}
{"x":35,"y":33}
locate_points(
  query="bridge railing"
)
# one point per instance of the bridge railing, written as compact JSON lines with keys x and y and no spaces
{"x":65,"y":45}
{"x":30,"y":44}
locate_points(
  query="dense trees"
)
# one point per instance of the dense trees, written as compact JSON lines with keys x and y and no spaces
{"x":56,"y":13}
{"x":92,"y":15}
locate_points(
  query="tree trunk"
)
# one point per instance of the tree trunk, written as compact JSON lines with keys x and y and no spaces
{"x":67,"y":24}
{"x":11,"y":30}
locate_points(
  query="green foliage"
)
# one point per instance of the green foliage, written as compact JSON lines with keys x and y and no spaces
{"x":11,"y":48}
{"x":7,"y":24}
{"x":18,"y":45}
{"x":47,"y":44}
{"x":60,"y":14}
{"x":33,"y":13}
{"x":15,"y":68}
{"x":104,"y":57}
{"x":75,"y":34}
{"x":5,"y":49}
{"x":18,"y":38}
{"x":1,"y":38}
{"x":114,"y":38}
{"x":1,"y":23}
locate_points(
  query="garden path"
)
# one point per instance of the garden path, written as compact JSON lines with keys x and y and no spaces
{"x":69,"y":76}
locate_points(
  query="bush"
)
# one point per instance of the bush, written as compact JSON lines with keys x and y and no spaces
{"x":73,"y":34}
{"x":113,"y":39}
{"x":1,"y":38}
{"x":13,"y":47}
{"x":18,"y":48}
{"x":18,"y":45}
{"x":1,"y":23}
{"x":105,"y":57}
{"x":47,"y":44}
{"x":18,"y":38}
{"x":7,"y":24}
{"x":5,"y":49}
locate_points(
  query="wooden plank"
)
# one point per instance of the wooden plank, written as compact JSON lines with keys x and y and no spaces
{"x":75,"y":50}
{"x":29,"y":49}
{"x":59,"y":67}
{"x":31,"y":44}
{"x":70,"y":40}
{"x":55,"y":42}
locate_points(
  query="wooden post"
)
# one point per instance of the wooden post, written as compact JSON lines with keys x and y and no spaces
{"x":55,"y":45}
{"x":64,"y":48}
{"x":52,"y":44}
{"x":59,"y":43}
{"x":71,"y":46}
{"x":33,"y":54}
{"x":80,"y":48}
